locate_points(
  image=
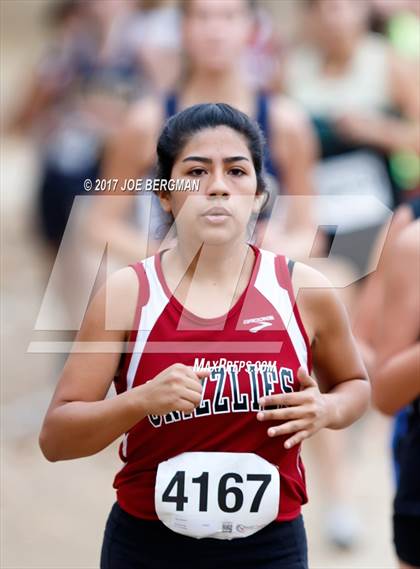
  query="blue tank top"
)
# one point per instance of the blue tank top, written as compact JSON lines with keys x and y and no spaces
{"x":414,"y":205}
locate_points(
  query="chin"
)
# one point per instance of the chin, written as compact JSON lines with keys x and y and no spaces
{"x":215,"y":238}
{"x":216,"y":64}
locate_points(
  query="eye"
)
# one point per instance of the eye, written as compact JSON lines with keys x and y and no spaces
{"x":196,"y":172}
{"x":237,"y":172}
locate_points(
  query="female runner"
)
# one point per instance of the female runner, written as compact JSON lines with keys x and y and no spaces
{"x":396,"y":382}
{"x":214,"y":386}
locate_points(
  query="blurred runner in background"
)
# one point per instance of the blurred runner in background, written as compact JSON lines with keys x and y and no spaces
{"x":92,"y":69}
{"x":398,"y":20}
{"x":156,"y":36}
{"x":364,"y":106}
{"x":368,"y":319}
{"x":216,"y":36}
{"x":396,"y":382}
{"x":79,"y":91}
{"x":364,"y":103}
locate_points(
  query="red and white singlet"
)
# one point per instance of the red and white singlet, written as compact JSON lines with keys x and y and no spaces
{"x":254,"y":350}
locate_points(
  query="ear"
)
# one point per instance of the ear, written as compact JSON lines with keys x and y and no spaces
{"x":165,"y":201}
{"x":259,"y":202}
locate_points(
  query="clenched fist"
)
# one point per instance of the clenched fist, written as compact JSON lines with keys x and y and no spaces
{"x":177,"y":388}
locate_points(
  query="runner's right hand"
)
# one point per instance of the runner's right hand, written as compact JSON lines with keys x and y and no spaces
{"x":177,"y":388}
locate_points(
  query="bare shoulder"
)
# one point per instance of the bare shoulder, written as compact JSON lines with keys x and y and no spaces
{"x":287,"y":115}
{"x":145,"y":117}
{"x":123,"y":288}
{"x":131,"y":152}
{"x":115,"y":302}
{"x":123,"y":281}
{"x":403,"y":264}
{"x":307,"y":278}
{"x":292,"y":133}
{"x":408,"y":241}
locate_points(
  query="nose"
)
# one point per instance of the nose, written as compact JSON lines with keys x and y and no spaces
{"x":217,"y":186}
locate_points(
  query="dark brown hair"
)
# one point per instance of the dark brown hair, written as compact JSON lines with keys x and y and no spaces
{"x":185,"y":4}
{"x":181,"y":127}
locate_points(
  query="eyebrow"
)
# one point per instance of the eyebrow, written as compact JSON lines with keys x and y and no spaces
{"x":227,"y":160}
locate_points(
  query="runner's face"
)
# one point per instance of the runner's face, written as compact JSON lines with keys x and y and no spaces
{"x":338,"y":22}
{"x":220,"y":210}
{"x":216,"y":32}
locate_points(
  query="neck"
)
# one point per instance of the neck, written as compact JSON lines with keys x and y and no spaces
{"x":222,"y":263}
{"x":214,"y":86}
{"x":339,"y":58}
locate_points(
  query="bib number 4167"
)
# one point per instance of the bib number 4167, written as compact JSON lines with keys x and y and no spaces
{"x":201,"y":494}
{"x":230,"y":497}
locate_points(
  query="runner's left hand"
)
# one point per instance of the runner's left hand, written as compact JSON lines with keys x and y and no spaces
{"x":304,"y":412}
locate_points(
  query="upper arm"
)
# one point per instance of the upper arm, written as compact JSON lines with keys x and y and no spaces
{"x":40,"y":94}
{"x":132,"y":149}
{"x":293,"y":145}
{"x":129,"y":155}
{"x":94,"y":359}
{"x":334,"y":350}
{"x":400,"y":325}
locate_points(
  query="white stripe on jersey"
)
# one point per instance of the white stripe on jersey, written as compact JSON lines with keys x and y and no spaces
{"x":124,"y":445}
{"x":149,"y":315}
{"x":268,"y":285}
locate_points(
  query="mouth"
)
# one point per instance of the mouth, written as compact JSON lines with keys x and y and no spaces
{"x":216,"y":215}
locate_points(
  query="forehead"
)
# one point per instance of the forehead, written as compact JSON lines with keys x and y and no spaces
{"x":216,"y":6}
{"x":218,"y":141}
{"x":334,"y":5}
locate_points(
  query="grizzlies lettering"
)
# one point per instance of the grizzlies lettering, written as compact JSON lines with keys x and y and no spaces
{"x":261,"y":381}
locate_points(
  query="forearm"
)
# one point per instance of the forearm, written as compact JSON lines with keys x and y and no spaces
{"x":125,"y":242}
{"x":300,"y":227}
{"x":299,"y":202}
{"x":393,"y":134}
{"x":397,"y":381}
{"x":346,"y":402}
{"x":112,"y":223}
{"x":79,"y":428}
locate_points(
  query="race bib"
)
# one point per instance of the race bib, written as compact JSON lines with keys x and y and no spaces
{"x":223,"y":495}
